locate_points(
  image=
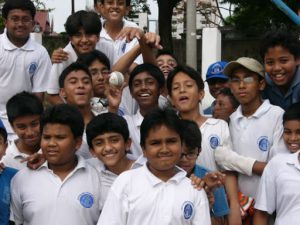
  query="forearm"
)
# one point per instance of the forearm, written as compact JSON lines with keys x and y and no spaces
{"x":125,"y":62}
{"x":54,"y":99}
{"x":258,"y":167}
{"x":260,"y":218}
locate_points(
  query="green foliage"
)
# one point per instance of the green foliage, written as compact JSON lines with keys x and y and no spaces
{"x":256,"y":16}
{"x":139,"y":6}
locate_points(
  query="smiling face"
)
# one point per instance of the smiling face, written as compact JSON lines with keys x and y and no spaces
{"x":19,"y":24}
{"x":163,"y":150}
{"x":27,"y":129}
{"x":110,"y":148}
{"x":291,"y":135}
{"x":166,"y":64}
{"x":114,"y":10}
{"x":99,"y":74}
{"x":83,"y":42}
{"x":281,"y":66}
{"x":59,"y":145}
{"x":185,"y":94}
{"x":77,"y":88}
{"x":145,"y":90}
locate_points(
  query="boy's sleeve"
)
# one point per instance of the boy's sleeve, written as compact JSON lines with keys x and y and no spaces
{"x":266,"y":192}
{"x":227,"y":159}
{"x":16,"y":213}
{"x":220,"y":207}
{"x":55,"y":71}
{"x":202,"y":212}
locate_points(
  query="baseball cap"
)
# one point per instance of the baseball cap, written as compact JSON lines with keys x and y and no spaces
{"x":249,"y":63}
{"x":215,"y":70}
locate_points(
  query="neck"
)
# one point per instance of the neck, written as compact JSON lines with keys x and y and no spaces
{"x":163,"y":175}
{"x":62,"y":171}
{"x":250,"y":109}
{"x":123,"y":165}
{"x":17,"y":42}
{"x":29,"y":150}
{"x":87,"y":114}
{"x":194,"y":115}
{"x":145,"y":110}
{"x":113,"y":28}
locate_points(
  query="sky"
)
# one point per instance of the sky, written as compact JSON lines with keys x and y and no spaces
{"x":62,"y":9}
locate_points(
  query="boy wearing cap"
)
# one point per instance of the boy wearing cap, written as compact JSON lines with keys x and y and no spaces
{"x":216,"y":80}
{"x":6,"y":175}
{"x":256,"y":126}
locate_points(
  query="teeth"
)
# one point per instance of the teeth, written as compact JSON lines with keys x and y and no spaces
{"x":145,"y":95}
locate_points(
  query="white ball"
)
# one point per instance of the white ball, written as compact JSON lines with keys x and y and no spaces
{"x":116,"y":78}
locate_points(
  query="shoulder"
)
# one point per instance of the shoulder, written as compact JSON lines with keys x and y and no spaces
{"x":9,"y":172}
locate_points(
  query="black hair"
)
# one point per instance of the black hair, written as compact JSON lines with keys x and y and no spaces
{"x":87,"y":20}
{"x":166,"y":52}
{"x":158,"y":117}
{"x":151,"y":69}
{"x":191,"y":136}
{"x":227,"y":92}
{"x":280,"y":37}
{"x":88,"y":58}
{"x":292,"y":113}
{"x":23,"y":104}
{"x":189,"y":71}
{"x":104,"y":123}
{"x":66,"y":115}
{"x":72,"y":67}
{"x":3,"y":133}
{"x":128,"y":2}
{"x":18,"y":4}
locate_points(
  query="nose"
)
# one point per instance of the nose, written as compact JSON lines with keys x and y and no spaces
{"x":277,"y":66}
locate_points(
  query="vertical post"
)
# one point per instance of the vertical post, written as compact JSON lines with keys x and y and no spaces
{"x":191,"y":41}
{"x":72,"y":6}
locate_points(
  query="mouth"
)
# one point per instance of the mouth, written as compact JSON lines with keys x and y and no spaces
{"x":52,"y":152}
{"x":294,"y":146}
{"x":183,"y":99}
{"x":144,"y":95}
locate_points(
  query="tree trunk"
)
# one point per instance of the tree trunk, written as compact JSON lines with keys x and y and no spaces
{"x":165,"y":12}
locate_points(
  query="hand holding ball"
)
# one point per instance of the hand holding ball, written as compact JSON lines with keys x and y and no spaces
{"x":116,"y":79}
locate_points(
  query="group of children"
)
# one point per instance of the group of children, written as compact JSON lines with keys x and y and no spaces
{"x":107,"y":154}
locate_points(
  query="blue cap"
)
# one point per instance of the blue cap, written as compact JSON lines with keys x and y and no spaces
{"x":215,"y":70}
{"x":2,"y":125}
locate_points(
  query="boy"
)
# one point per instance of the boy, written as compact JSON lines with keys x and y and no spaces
{"x":191,"y":148}
{"x":6,"y":175}
{"x":280,"y":183}
{"x":246,"y":83}
{"x":158,"y":192}
{"x":22,"y":59}
{"x":23,"y":111}
{"x":146,"y":82}
{"x":216,"y":80}
{"x":65,"y":189}
{"x":280,"y":50}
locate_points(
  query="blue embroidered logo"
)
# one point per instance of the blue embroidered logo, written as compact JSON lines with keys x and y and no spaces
{"x":214,"y":141}
{"x":188,"y":210}
{"x":263,"y":143}
{"x":32,"y":68}
{"x":216,"y":69}
{"x":86,"y":199}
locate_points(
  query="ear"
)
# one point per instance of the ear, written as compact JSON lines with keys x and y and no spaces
{"x":201,"y":94}
{"x":93,"y":152}
{"x":62,"y":93}
{"x":128,"y":144}
{"x":78,"y":142}
{"x":298,"y":61}
{"x":98,"y":38}
{"x":262,"y":84}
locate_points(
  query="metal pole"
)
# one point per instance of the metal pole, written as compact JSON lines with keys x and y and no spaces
{"x":73,"y":6}
{"x":191,"y":41}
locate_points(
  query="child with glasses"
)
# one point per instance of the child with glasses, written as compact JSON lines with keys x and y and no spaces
{"x":191,"y":139}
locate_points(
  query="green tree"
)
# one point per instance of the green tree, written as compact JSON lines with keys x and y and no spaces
{"x":139,"y":6}
{"x":256,"y":16}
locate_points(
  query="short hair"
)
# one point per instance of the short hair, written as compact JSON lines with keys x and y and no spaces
{"x":23,"y":104}
{"x":158,"y":117}
{"x":151,"y":69}
{"x":104,"y":123}
{"x":64,"y":114}
{"x":227,"y":92}
{"x":88,"y":58}
{"x":166,"y":52}
{"x":87,"y":20}
{"x":72,"y":67}
{"x":18,"y":4}
{"x":292,"y":113}
{"x":280,"y":37}
{"x":191,"y":136}
{"x":128,"y":2}
{"x":189,"y":71}
{"x":3,"y":132}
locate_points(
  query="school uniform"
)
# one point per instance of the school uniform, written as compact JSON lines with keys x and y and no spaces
{"x":23,"y":68}
{"x":258,"y":136}
{"x":138,"y":197}
{"x":41,"y":197}
{"x":279,"y":189}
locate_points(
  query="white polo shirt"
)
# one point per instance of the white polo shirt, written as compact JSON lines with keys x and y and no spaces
{"x":279,"y":189}
{"x":40,"y":197}
{"x":57,"y":68}
{"x":138,"y":197}
{"x":13,"y":157}
{"x":23,"y":68}
{"x":121,"y":47}
{"x":258,"y":136}
{"x":134,"y":124}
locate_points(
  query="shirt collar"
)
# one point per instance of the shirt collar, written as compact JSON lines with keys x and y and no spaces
{"x":294,"y":160}
{"x":138,"y":118}
{"x":262,"y":109}
{"x":8,"y":45}
{"x":81,"y":164}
